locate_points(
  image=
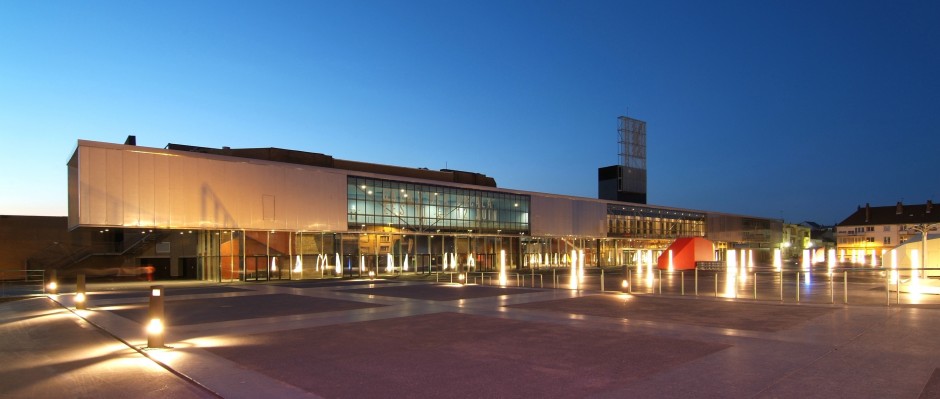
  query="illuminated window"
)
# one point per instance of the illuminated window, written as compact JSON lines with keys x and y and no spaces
{"x":421,"y":207}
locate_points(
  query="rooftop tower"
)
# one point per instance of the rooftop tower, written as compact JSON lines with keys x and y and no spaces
{"x":626,"y":181}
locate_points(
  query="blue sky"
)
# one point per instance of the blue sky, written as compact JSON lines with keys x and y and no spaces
{"x":794,"y":110}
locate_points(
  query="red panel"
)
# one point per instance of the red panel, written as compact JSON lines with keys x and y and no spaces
{"x":685,"y":252}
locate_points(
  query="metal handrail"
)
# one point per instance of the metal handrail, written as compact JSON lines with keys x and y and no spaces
{"x":22,"y":282}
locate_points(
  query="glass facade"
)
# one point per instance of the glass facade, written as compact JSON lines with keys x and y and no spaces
{"x":430,"y":208}
{"x":644,"y":222}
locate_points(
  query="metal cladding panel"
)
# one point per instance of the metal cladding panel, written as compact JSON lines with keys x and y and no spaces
{"x":145,"y":195}
{"x":554,"y":216}
{"x":114,"y":188}
{"x":139,"y":187}
{"x":131,"y":189}
{"x":161,"y":191}
{"x":95,"y":186}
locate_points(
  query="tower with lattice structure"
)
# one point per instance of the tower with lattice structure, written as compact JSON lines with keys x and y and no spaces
{"x":626,"y":181}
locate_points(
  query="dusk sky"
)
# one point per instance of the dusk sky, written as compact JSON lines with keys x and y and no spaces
{"x":780,"y":109}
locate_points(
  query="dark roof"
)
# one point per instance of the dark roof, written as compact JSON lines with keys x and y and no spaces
{"x":895,"y":214}
{"x":327,"y":161}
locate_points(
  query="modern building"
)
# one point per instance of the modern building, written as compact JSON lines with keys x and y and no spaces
{"x":867,"y":234}
{"x":267,"y":213}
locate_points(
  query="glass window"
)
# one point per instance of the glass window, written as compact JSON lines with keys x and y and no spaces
{"x":421,"y":207}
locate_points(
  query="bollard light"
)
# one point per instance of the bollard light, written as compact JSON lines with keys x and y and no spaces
{"x":155,"y":328}
{"x":624,"y":284}
{"x":462,"y":278}
{"x":371,"y":275}
{"x":53,"y":286}
{"x":80,"y":299}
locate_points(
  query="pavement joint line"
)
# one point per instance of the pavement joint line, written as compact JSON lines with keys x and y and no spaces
{"x":141,"y":351}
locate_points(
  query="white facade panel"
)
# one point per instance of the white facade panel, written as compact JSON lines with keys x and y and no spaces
{"x":131,"y":189}
{"x":114,"y":188}
{"x":146,"y":186}
{"x":161,"y":191}
{"x":557,"y":216}
{"x":130,"y":186}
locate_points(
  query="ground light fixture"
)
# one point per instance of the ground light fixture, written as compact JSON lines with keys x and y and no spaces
{"x":53,"y":286}
{"x":80,"y":297}
{"x":155,"y":326}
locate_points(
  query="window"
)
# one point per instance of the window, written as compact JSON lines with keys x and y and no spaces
{"x":870,"y":239}
{"x":420,"y":207}
{"x":887,"y":240}
{"x":887,"y":228}
{"x":870,"y":228}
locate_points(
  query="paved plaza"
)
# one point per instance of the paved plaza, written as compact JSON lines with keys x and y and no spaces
{"x":393,"y":338}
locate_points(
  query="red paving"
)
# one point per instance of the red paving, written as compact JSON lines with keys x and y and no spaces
{"x":706,"y":312}
{"x":460,"y":355}
{"x":212,"y":310}
{"x":441,"y":292}
{"x":415,"y":340}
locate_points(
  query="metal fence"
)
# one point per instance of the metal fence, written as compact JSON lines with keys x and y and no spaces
{"x":22,"y":282}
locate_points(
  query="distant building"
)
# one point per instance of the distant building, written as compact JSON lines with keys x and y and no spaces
{"x":795,"y":239}
{"x":871,"y":231}
{"x":821,"y":236}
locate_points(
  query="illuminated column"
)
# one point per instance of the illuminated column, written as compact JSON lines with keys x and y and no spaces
{"x":806,"y":260}
{"x":338,"y":268}
{"x":503,"y":279}
{"x":390,"y":263}
{"x":404,"y":265}
{"x":573,"y":279}
{"x":671,"y":267}
{"x":778,"y":260}
{"x":298,"y":266}
{"x":874,"y":259}
{"x":831,"y":262}
{"x":731,"y":257}
{"x":731,"y":272}
{"x":894,"y":266}
{"x":580,"y":264}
